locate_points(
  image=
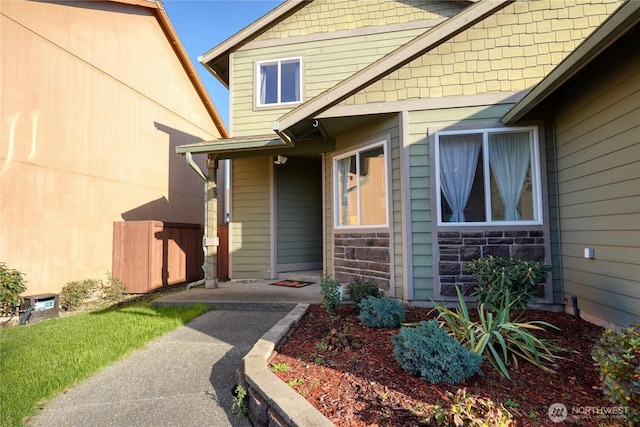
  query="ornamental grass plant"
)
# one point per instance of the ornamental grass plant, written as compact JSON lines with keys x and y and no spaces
{"x":40,"y":360}
{"x":501,"y":340}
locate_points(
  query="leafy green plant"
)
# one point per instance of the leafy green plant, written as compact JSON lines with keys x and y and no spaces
{"x":617,"y":357}
{"x":330,"y":293}
{"x":466,"y":409}
{"x":73,"y":294}
{"x":239,"y":406}
{"x":279,"y":367}
{"x":12,"y":284}
{"x":294,"y":382}
{"x":499,"y":339}
{"x":496,"y":275}
{"x":113,"y":289}
{"x":359,"y":289}
{"x":429,"y":352}
{"x":381,"y":312}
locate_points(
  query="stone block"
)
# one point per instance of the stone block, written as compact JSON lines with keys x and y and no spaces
{"x":519,"y":233}
{"x":449,"y":268}
{"x":448,"y":289}
{"x":258,"y":409}
{"x":275,"y":420}
{"x":469,"y":253}
{"x":500,"y":241}
{"x":496,"y":251}
{"x":449,"y":258}
{"x":530,"y":252}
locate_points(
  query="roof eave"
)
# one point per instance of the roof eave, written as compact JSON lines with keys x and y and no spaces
{"x":249,"y":33}
{"x":181,"y":53}
{"x":623,"y":19}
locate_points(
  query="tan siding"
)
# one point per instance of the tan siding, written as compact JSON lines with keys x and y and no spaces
{"x":250,"y":219}
{"x":598,"y":125}
{"x":87,"y":138}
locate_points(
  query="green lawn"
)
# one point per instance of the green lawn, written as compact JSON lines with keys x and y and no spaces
{"x":41,"y":360}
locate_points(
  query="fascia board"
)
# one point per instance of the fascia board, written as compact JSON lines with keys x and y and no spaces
{"x":251,"y":31}
{"x":230,"y":145}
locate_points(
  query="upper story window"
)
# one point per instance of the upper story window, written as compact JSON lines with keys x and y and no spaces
{"x":279,"y":82}
{"x":360,"y":193}
{"x":488,"y":176}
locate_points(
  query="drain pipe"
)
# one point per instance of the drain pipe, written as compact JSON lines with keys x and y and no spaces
{"x":205,"y":178}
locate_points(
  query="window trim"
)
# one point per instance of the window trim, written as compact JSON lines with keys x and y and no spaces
{"x":536,"y":178}
{"x":279,"y":62}
{"x":382,"y":142}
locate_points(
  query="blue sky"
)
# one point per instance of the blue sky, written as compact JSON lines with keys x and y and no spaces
{"x":203,"y":24}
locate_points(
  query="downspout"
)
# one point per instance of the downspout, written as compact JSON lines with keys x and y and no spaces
{"x":205,"y":178}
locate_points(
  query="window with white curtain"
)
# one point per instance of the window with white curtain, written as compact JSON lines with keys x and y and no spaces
{"x":279,"y":82}
{"x":360,"y":192}
{"x":488,"y":176}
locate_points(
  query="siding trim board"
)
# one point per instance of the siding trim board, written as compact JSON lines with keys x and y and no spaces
{"x":423,"y":104}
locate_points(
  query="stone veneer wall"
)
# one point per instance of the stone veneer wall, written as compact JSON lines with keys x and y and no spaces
{"x":457,"y":248}
{"x":362,"y":255}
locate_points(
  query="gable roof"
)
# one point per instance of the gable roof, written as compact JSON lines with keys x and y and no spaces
{"x":297,"y":121}
{"x":615,"y":26}
{"x":217,"y":59}
{"x":157,"y":8}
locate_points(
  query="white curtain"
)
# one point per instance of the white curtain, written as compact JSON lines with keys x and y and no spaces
{"x":344,"y":167}
{"x":263,"y":84}
{"x":509,"y":157}
{"x":296,"y":80}
{"x":458,"y":162}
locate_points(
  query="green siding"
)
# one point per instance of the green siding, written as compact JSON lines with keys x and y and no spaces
{"x":325,"y":63}
{"x":299,"y":211}
{"x":598,"y":123}
{"x":386,"y":126}
{"x":250,"y":225}
{"x":421,"y":215}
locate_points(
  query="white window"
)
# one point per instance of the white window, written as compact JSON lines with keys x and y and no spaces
{"x":488,"y":176}
{"x":279,"y":82}
{"x":360,"y":192}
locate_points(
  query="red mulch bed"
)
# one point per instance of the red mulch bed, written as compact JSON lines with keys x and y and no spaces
{"x":362,"y":384}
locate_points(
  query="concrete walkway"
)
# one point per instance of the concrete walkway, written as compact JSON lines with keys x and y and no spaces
{"x":184,"y":378}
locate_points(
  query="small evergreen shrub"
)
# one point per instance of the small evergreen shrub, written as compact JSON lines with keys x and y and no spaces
{"x":428,"y":352}
{"x":467,"y":410}
{"x":358,"y":289}
{"x":497,"y":275}
{"x":381,"y":312}
{"x":330,"y":293}
{"x":12,"y":284}
{"x":617,"y":355}
{"x":73,"y":294}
